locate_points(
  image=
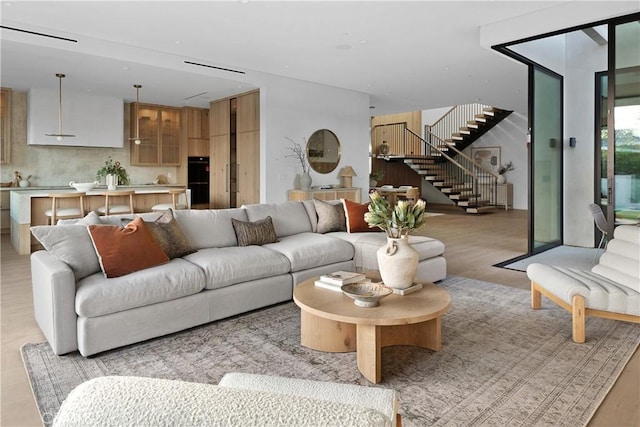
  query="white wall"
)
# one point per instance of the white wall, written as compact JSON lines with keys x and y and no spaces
{"x":511,"y":136}
{"x":583,"y":59}
{"x":295,"y":109}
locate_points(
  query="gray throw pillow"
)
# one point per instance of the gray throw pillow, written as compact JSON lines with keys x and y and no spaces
{"x":330,"y":216}
{"x":72,"y":245}
{"x":169,"y":236}
{"x":92,"y":218}
{"x":258,"y":233}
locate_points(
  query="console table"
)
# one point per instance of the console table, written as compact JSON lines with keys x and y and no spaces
{"x":353,"y":194}
{"x":504,"y":196}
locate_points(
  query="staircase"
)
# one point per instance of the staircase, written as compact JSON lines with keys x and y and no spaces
{"x":464,"y":124}
{"x":440,"y":160}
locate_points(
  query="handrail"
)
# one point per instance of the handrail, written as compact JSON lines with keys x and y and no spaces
{"x":454,"y":119}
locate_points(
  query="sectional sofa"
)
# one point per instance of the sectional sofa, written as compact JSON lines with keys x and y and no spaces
{"x":79,"y":308}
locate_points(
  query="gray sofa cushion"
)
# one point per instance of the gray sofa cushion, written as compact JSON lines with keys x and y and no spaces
{"x":97,"y":296}
{"x":227,"y":266}
{"x":330,"y":216}
{"x":209,"y":228}
{"x":367,"y":244}
{"x":309,"y":250}
{"x":288,"y":217}
{"x":72,"y":245}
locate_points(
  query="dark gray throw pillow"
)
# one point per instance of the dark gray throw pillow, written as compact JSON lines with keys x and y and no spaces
{"x":330,"y":217}
{"x":258,"y":233}
{"x":169,"y":236}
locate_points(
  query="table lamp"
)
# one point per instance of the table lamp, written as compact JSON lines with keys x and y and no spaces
{"x":347,"y":175}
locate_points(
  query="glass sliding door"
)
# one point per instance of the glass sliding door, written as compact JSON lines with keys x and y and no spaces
{"x":546,"y":160}
{"x":623,"y":160}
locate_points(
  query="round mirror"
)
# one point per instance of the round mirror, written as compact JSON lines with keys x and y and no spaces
{"x":323,"y":151}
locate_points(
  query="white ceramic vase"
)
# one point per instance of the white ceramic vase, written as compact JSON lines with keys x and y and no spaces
{"x":112,"y":182}
{"x":501,"y":179}
{"x":305,"y":181}
{"x":397,"y":262}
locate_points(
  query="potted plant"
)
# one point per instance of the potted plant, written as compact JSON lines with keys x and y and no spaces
{"x":114,"y":169}
{"x":298,"y":153}
{"x":397,"y":260}
{"x":504,"y":168}
{"x":374,"y":177}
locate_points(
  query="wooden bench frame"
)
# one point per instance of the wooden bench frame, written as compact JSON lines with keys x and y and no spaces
{"x":578,"y":311}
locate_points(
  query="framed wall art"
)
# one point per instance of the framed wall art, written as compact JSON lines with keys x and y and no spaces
{"x":488,"y":157}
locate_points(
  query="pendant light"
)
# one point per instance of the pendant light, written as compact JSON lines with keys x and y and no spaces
{"x":136,"y":139}
{"x":60,"y":136}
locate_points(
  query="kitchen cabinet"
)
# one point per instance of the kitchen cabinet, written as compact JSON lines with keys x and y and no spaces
{"x":235,"y":150}
{"x":196,"y":131}
{"x":159,"y":133}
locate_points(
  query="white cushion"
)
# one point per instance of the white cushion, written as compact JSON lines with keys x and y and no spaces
{"x":600,"y":292}
{"x":235,"y":264}
{"x":135,"y":401}
{"x":115,"y":209}
{"x":64,"y":212}
{"x":97,"y":296}
{"x":288,"y":218}
{"x":383,"y":400}
{"x":210,"y":228}
{"x":309,"y":250}
{"x":167,"y":206}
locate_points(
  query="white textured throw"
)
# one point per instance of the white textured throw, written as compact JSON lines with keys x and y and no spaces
{"x":119,"y":401}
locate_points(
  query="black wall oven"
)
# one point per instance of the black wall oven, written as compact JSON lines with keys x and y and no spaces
{"x":198,"y":180}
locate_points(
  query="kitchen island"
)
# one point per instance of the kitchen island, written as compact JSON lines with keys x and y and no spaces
{"x":27,"y":207}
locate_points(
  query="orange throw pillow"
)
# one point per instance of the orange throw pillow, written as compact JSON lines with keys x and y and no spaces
{"x":354,"y":213}
{"x":126,"y":250}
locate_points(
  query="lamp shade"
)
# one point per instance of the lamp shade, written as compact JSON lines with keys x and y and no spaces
{"x":347,"y":171}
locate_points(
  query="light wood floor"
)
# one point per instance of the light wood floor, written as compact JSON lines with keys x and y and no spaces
{"x":473,"y":244}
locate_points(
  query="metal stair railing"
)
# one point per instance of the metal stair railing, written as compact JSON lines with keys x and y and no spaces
{"x":454,"y":119}
{"x":461,"y":175}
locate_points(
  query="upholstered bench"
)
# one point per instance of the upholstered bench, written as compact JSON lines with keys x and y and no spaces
{"x":239,"y":400}
{"x":610,"y":290}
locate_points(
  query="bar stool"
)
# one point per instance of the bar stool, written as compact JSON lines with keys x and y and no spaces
{"x":175,"y":200}
{"x":111,"y":209}
{"x":56,"y":212}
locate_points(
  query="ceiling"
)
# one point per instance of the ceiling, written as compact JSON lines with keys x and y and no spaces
{"x":407,"y":55}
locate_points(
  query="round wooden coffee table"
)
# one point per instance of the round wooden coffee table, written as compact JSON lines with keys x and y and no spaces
{"x":330,"y":321}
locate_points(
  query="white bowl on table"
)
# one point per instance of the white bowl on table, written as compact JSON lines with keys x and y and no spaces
{"x":83,"y":186}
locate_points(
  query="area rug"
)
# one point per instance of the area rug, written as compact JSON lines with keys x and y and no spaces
{"x":501,"y":362}
{"x":561,"y":256}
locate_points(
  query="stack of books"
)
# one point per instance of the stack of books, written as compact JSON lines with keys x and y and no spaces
{"x":335,"y":280}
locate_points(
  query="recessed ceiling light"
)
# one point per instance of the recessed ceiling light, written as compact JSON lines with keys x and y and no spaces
{"x":177,"y":42}
{"x":125,"y":68}
{"x":363,"y":41}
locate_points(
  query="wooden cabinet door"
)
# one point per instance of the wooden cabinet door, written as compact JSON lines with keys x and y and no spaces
{"x":220,"y":118}
{"x":147,"y":153}
{"x":197,"y":123}
{"x":248,"y":112}
{"x":248,"y":154}
{"x":169,"y":131}
{"x":219,"y":162}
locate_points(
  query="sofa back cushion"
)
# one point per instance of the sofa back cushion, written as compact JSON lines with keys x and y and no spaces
{"x":288,"y":217}
{"x":621,"y":261}
{"x":209,"y":228}
{"x":71,"y":244}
